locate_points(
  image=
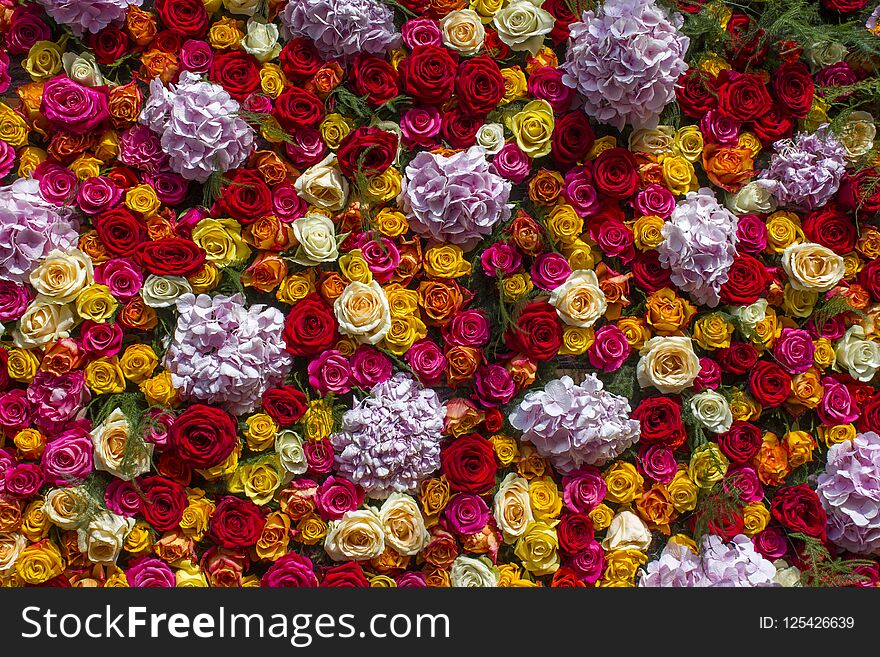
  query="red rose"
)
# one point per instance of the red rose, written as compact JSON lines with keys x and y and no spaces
{"x":573,"y":137}
{"x":494,"y":46}
{"x":297,"y":108}
{"x":187,"y":18}
{"x":564,"y":18}
{"x":844,"y":6}
{"x":203,"y":436}
{"x":348,"y":575}
{"x":738,"y":358}
{"x":171,"y":256}
{"x":858,"y":193}
{"x":747,"y":281}
{"x":773,"y":125}
{"x":566,"y":578}
{"x":246,"y":198}
{"x":797,"y":508}
{"x":236,"y":523}
{"x":615,"y":174}
{"x":459,"y":129}
{"x":109,"y":44}
{"x":769,"y":384}
{"x":374,"y":78}
{"x":479,"y":85}
{"x":741,"y":442}
{"x":695,"y":93}
{"x":747,"y":47}
{"x":726,"y":523}
{"x":793,"y":87}
{"x":869,"y":278}
{"x":170,"y":466}
{"x":237,"y":72}
{"x":369,"y":150}
{"x":310,"y":327}
{"x":660,"y":420}
{"x":163,"y":503}
{"x":167,"y":41}
{"x":648,"y":273}
{"x":428,"y":74}
{"x":832,"y":227}
{"x":120,"y":231}
{"x":869,"y":420}
{"x":285,"y":405}
{"x":742,"y":96}
{"x":299,"y":59}
{"x":468,"y":463}
{"x":538,"y":332}
{"x":575,"y":531}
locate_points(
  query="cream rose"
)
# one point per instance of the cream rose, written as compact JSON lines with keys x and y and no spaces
{"x":43,"y":322}
{"x":61,"y":276}
{"x":357,"y":536}
{"x":712,"y":411}
{"x":491,"y":137}
{"x":522,"y":24}
{"x":654,"y":141}
{"x":668,"y":363}
{"x":82,"y":68}
{"x":11,"y":545}
{"x":66,"y":507}
{"x":292,"y":456}
{"x":109,"y":439}
{"x":403,"y":524}
{"x":579,"y":301}
{"x":261,"y":40}
{"x":316,"y":235}
{"x":857,"y":134}
{"x":627,"y":532}
{"x":363,"y":312}
{"x":751,"y":198}
{"x":101,"y":540}
{"x":463,"y":31}
{"x":859,"y":356}
{"x":513,"y":507}
{"x":750,"y":316}
{"x":467,"y":572}
{"x":241,"y":7}
{"x":163,"y":291}
{"x":812,"y":267}
{"x":825,"y":53}
{"x":323,"y":185}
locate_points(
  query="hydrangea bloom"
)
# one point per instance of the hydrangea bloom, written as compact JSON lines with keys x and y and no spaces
{"x":223,"y":353}
{"x":850,"y":493}
{"x":699,"y":244}
{"x":624,"y":60}
{"x":719,"y":564}
{"x":390,"y":440}
{"x":573,"y":425}
{"x":29,"y":229}
{"x":88,"y":15}
{"x":805,"y":172}
{"x":454,"y":199}
{"x":342,"y":28}
{"x":199,"y":125}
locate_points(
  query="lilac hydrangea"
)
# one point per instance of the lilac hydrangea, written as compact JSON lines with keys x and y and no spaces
{"x":226,"y":354}
{"x":624,"y":60}
{"x":30,"y":228}
{"x":390,"y":440}
{"x":455,"y":199}
{"x":699,"y":244}
{"x":849,"y":490}
{"x":91,"y":16}
{"x":719,"y":564}
{"x":342,"y":28}
{"x":573,"y":425}
{"x":199,"y":125}
{"x":805,"y":172}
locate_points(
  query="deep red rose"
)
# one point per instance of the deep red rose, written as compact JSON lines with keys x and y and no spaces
{"x":741,"y":442}
{"x":575,"y":531}
{"x":493,"y":422}
{"x":468,"y":463}
{"x":460,"y":129}
{"x":187,"y":18}
{"x":769,"y":384}
{"x":4,"y":370}
{"x":859,"y":193}
{"x":237,"y":72}
{"x":773,"y":125}
{"x":171,"y":466}
{"x":123,"y":177}
{"x":120,"y":231}
{"x":310,"y":327}
{"x":695,"y":93}
{"x":869,"y":278}
{"x":494,"y":46}
{"x":428,"y":74}
{"x":869,"y":420}
{"x":479,"y":85}
{"x":797,"y":508}
{"x":747,"y":281}
{"x":793,"y":87}
{"x":615,"y":173}
{"x":748,"y":46}
{"x":742,"y":96}
{"x":726,"y":523}
{"x":538,"y":332}
{"x":297,"y":108}
{"x":299,"y":59}
{"x":374,"y":78}
{"x":660,"y":421}
{"x":26,"y":27}
{"x":564,"y":18}
{"x":648,"y":273}
{"x":832,"y":227}
{"x":167,"y":41}
{"x":844,"y":6}
{"x":573,"y":137}
{"x":348,"y":575}
{"x":368,"y":150}
{"x":246,"y":198}
{"x":285,"y":405}
{"x":236,"y":523}
{"x":109,"y":44}
{"x":203,"y":436}
{"x":738,"y":358}
{"x":163,"y":503}
{"x":171,"y":256}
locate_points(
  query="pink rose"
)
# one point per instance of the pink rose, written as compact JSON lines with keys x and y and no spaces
{"x":72,"y":107}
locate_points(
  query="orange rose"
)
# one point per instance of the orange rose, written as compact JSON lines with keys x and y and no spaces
{"x":484,"y":542}
{"x":266,"y":273}
{"x":331,"y":285}
{"x":271,"y":167}
{"x":615,"y":287}
{"x":522,"y":371}
{"x":389,"y":562}
{"x":545,"y":187}
{"x":440,"y":299}
{"x":531,"y":465}
{"x":158,"y":226}
{"x":650,"y":171}
{"x":771,"y":461}
{"x":10,"y":514}
{"x":727,"y":167}
{"x":159,"y":64}
{"x":174,"y":546}
{"x":442,"y":550}
{"x":527,"y":234}
{"x":269,"y":233}
{"x":141,"y":26}
{"x":92,"y":246}
{"x":274,"y":538}
{"x":66,"y":146}
{"x":667,"y":312}
{"x":656,"y":508}
{"x":461,"y":417}
{"x":461,"y":363}
{"x":410,"y":261}
{"x":297,"y":503}
{"x":137,"y":315}
{"x":62,"y":357}
{"x":125,"y":104}
{"x":326,"y":80}
{"x":436,"y":578}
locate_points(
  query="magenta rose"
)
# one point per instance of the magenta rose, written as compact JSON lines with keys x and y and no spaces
{"x":420,"y":127}
{"x":493,"y":385}
{"x":336,"y":496}
{"x":469,"y":328}
{"x":381,"y":254}
{"x":149,"y":572}
{"x":97,"y":194}
{"x":751,"y":233}
{"x":794,"y":350}
{"x":14,"y":300}
{"x":421,"y":32}
{"x":550,"y":270}
{"x":330,"y":372}
{"x":744,"y":479}
{"x":580,"y":192}
{"x":196,"y":56}
{"x":427,"y":361}
{"x":466,"y":513}
{"x":72,"y":107}
{"x":101,"y":339}
{"x":24,"y":480}
{"x":68,"y":456}
{"x":56,"y":399}
{"x":709,"y":376}
{"x":58,"y":184}
{"x":121,"y":276}
{"x":655,"y":200}
{"x":290,"y":571}
{"x":122,"y":498}
{"x":16,"y":410}
{"x":609,"y":349}
{"x":771,"y":543}
{"x":369,"y":366}
{"x":657,"y":461}
{"x":589,"y":563}
{"x":837,"y":405}
{"x":500,"y":259}
{"x":511,"y":163}
{"x":583,"y":490}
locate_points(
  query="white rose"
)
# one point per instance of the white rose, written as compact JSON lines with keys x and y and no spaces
{"x":627,"y":532}
{"x":463,"y":31}
{"x":786,"y":575}
{"x":668,"y":363}
{"x":579,"y":301}
{"x":289,"y":446}
{"x":752,"y":315}
{"x":522,"y":24}
{"x":752,"y":197}
{"x":357,"y":536}
{"x":103,"y":537}
{"x":825,"y":53}
{"x":11,"y":545}
{"x":491,"y":137}
{"x":513,"y":507}
{"x":82,"y":68}
{"x":859,"y":356}
{"x":43,"y":322}
{"x":712,"y":411}
{"x":316,"y":235}
{"x":61,"y":276}
{"x":857,"y":134}
{"x":164,"y":291}
{"x":323,"y":185}
{"x":241,"y":7}
{"x":109,"y":439}
{"x":403,"y":524}
{"x":261,"y":40}
{"x":812,"y":267}
{"x":66,"y":507}
{"x":652,"y":140}
{"x":363,"y":312}
{"x":468,"y":572}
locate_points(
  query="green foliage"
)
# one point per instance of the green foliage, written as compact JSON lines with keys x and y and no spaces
{"x":821,"y":569}
{"x":831,"y":308}
{"x":715,"y":507}
{"x":349,"y":104}
{"x":622,"y":381}
{"x":230,"y":278}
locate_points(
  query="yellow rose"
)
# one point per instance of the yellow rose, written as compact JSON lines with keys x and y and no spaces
{"x":538,"y":549}
{"x":384,"y":187}
{"x":85,"y":167}
{"x":646,"y":231}
{"x":96,"y":303}
{"x":142,"y":199}
{"x":225,"y":469}
{"x":636,"y":331}
{"x":13,"y":127}
{"x":296,"y":287}
{"x":334,"y":128}
{"x":579,"y":254}
{"x":39,"y":562}
{"x":354,"y":268}
{"x":138,"y":362}
{"x":446,"y":261}
{"x":852,"y":265}
{"x":532,"y":128}
{"x":683,"y":491}
{"x":401,"y":301}
{"x":506,"y":450}
{"x":743,"y":406}
{"x":800,"y":446}
{"x":108,"y":146}
{"x":275,"y":537}
{"x":750,"y":141}
{"x":221,"y":240}
{"x":755,"y":518}
{"x":206,"y":279}
{"x":678,"y":174}
{"x":713,"y":331}
{"x":43,"y":61}
{"x":104,"y":376}
{"x":624,"y":482}
{"x":311,"y":530}
{"x":622,"y":565}
{"x":601,"y":516}
{"x":836,"y":434}
{"x":601,"y":145}
{"x":21,"y":365}
{"x":160,"y":391}
{"x":515,"y":85}
{"x":318,"y":420}
{"x":486,"y":8}
{"x":29,"y":157}
{"x":768,"y":329}
{"x":545,"y":499}
{"x":30,"y":443}
{"x":708,"y":465}
{"x":139,"y":540}
{"x":194,"y":522}
{"x":391,"y":223}
{"x":576,"y":340}
{"x":404,"y":332}
{"x":272,"y":80}
{"x":688,"y":142}
{"x":35,"y":523}
{"x":258,"y":481}
{"x":260,"y":432}
{"x":713,"y":64}
{"x":783,"y":229}
{"x":190,"y":576}
{"x":225,"y":34}
{"x":798,"y":303}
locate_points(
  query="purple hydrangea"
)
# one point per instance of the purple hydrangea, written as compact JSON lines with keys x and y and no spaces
{"x":88,"y":15}
{"x":390,"y":440}
{"x":200,"y":129}
{"x":624,"y":60}
{"x":30,"y":228}
{"x":342,"y":28}
{"x":223,"y":353}
{"x":573,"y":425}
{"x":805,"y":172}
{"x":455,"y":199}
{"x":699,"y":244}
{"x":849,"y":491}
